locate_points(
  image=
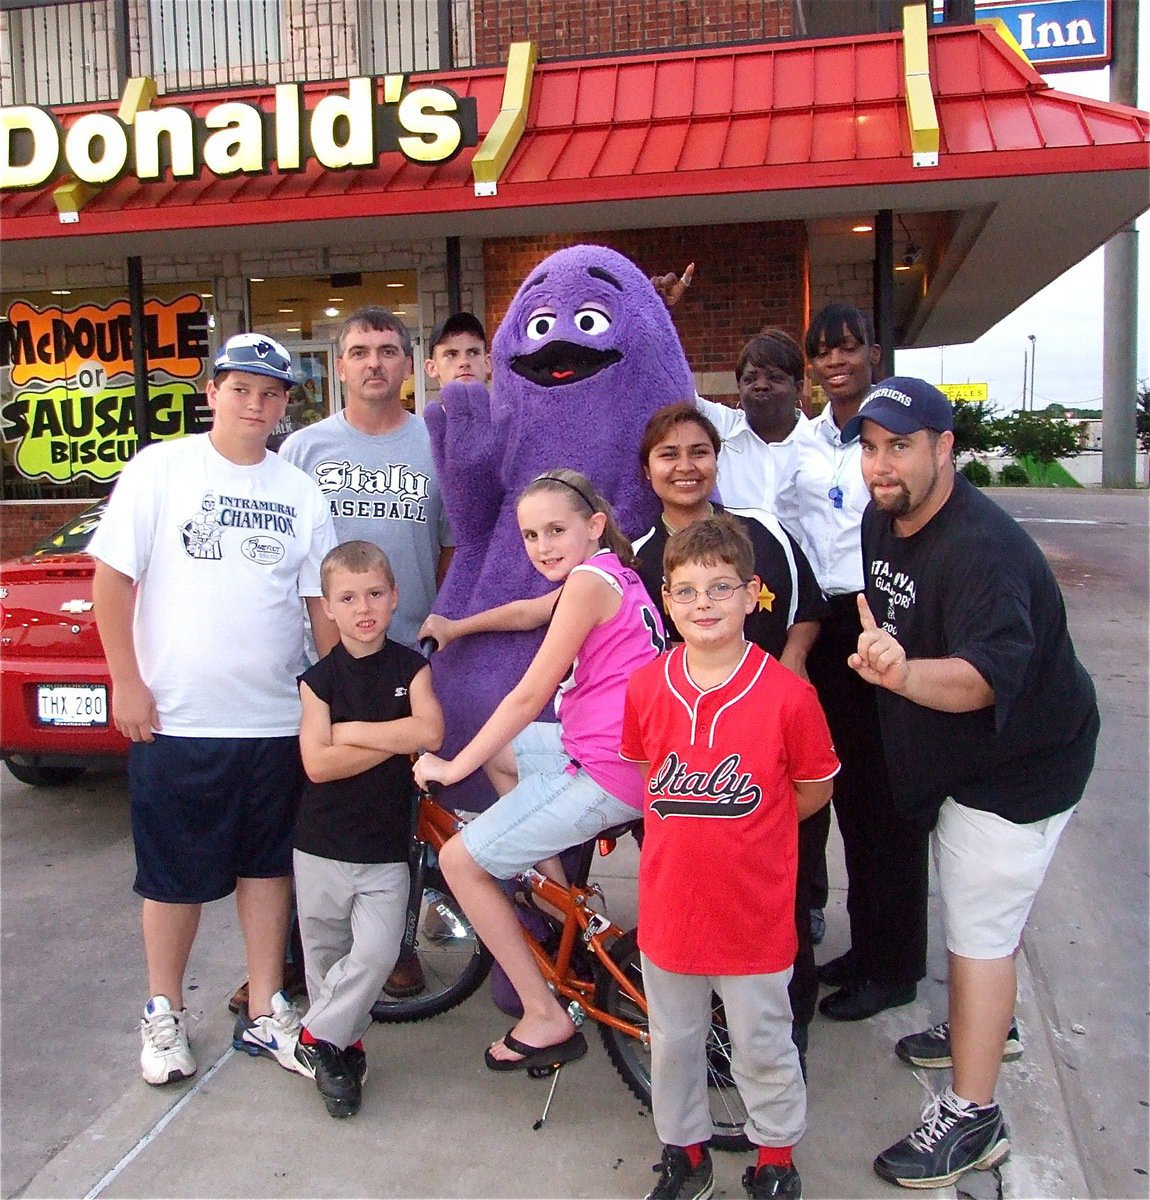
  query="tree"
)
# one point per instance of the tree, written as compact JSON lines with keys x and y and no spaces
{"x":1033,"y":436}
{"x":973,"y":427}
{"x":1143,"y":415}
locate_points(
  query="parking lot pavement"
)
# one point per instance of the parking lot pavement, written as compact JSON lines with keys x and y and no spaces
{"x":77,"y":1120}
{"x":436,"y":1123}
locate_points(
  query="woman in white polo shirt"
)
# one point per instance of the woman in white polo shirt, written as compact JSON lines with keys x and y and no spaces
{"x":822,"y":504}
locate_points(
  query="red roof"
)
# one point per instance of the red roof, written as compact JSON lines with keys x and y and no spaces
{"x":744,"y":119}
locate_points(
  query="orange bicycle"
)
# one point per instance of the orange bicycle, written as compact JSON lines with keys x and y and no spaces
{"x":588,"y":961}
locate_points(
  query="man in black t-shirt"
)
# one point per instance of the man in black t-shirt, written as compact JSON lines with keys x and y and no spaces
{"x":989,"y":725}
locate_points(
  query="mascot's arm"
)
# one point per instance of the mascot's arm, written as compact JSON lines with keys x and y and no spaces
{"x":587,"y":601}
{"x":464,"y":444}
{"x":514,"y":617}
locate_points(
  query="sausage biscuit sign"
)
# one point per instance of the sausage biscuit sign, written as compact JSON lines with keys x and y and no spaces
{"x":71,"y":410}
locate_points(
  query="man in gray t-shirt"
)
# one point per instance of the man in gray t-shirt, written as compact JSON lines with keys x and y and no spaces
{"x":373,"y":463}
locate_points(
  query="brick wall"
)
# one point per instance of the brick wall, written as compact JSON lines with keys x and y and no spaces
{"x":842,"y":283}
{"x":25,"y":523}
{"x":572,"y":28}
{"x":746,"y":277}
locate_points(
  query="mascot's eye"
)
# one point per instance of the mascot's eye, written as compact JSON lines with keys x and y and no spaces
{"x":540,"y":324}
{"x":592,"y":321}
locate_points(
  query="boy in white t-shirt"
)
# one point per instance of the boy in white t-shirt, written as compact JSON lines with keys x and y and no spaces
{"x":207,"y":545}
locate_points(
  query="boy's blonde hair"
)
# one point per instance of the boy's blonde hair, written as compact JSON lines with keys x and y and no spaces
{"x":357,"y":557}
{"x":713,"y":540}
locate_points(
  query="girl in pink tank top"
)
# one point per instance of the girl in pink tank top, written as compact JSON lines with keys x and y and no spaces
{"x":601,"y":628}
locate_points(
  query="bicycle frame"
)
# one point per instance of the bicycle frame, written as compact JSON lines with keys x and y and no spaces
{"x":435,"y":825}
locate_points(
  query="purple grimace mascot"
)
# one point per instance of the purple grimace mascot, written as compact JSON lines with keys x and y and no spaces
{"x":586,"y":353}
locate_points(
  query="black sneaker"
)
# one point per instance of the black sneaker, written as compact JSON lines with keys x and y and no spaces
{"x":356,"y":1060}
{"x":950,"y":1141}
{"x":338,"y":1079}
{"x":931,"y":1048}
{"x":860,"y":1001}
{"x":839,"y":972}
{"x":678,"y":1180}
{"x":767,"y":1183}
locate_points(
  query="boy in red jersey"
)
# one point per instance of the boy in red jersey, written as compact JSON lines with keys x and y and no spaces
{"x":736,"y":752}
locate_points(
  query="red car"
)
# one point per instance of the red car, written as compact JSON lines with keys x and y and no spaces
{"x":55,"y":692}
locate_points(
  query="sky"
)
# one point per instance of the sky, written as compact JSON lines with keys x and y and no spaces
{"x":1065,"y":317}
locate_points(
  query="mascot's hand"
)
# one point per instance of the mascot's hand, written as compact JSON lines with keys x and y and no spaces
{"x":465,"y":445}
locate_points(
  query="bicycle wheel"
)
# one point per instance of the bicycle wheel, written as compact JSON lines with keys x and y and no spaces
{"x":632,"y":1059}
{"x":455,"y":962}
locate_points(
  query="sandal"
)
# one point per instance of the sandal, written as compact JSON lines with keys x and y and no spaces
{"x":537,"y":1058}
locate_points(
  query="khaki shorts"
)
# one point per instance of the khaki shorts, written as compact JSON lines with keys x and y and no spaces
{"x":989,"y":871}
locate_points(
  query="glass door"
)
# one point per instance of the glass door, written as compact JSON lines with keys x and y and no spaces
{"x":316,"y":393}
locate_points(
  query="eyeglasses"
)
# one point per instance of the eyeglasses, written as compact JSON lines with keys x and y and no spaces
{"x":718,"y":592}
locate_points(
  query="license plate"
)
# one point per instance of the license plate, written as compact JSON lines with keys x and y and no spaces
{"x":64,"y":704}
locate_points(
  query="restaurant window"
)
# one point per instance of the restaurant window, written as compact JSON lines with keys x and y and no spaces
{"x":305,"y":312}
{"x":67,"y":384}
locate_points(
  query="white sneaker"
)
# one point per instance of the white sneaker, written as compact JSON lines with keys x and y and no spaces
{"x":274,"y":1036}
{"x":166,"y":1056}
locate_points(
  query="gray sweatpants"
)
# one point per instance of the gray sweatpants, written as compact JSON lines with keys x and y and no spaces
{"x":764,"y":1061}
{"x":351,"y":923}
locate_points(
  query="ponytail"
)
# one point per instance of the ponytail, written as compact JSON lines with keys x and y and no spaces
{"x":565,"y":481}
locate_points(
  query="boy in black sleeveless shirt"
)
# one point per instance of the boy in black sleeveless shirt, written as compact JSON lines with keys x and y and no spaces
{"x":367,"y":706}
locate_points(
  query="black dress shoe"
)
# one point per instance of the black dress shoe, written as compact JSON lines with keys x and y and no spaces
{"x":839,"y":972}
{"x":862,"y":1000}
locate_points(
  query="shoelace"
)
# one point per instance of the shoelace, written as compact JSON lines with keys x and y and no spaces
{"x":162,"y":1030}
{"x":940,"y":1032}
{"x":672,"y":1170}
{"x":938,"y":1118}
{"x":760,"y":1186}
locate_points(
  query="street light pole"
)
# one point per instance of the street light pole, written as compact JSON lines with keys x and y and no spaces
{"x":1033,"y":356}
{"x":1025,"y":360}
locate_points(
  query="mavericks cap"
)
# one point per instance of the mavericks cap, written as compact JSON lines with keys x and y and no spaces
{"x":902,"y":404}
{"x":256,"y":354}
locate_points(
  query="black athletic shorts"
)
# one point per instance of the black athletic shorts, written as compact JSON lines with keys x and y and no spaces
{"x":206,"y":811}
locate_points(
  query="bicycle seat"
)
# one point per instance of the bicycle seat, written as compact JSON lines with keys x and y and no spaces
{"x":617,"y":831}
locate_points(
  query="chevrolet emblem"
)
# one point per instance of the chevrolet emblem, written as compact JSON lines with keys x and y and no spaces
{"x":76,"y":606}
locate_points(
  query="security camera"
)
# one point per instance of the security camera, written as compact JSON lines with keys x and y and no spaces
{"x":911,"y":256}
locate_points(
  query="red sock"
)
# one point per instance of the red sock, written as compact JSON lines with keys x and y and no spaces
{"x":694,"y":1154}
{"x":306,"y":1037}
{"x":775,"y":1156}
{"x":356,"y":1046}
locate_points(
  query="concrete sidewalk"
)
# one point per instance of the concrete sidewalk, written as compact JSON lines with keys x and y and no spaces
{"x":436,"y":1123}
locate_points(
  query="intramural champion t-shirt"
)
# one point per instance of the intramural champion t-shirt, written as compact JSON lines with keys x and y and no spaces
{"x":221,"y":553}
{"x":972,"y":584}
{"x":364,"y":818}
{"x":720,"y":825}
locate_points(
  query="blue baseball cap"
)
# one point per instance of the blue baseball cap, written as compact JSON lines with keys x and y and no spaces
{"x":903,"y":404}
{"x":258,"y":355}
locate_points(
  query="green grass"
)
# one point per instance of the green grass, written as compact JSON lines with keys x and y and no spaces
{"x":1047,"y":474}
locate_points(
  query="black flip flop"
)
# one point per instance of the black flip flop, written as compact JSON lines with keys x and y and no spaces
{"x":537,"y":1057}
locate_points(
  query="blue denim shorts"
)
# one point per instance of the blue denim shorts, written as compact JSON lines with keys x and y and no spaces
{"x":555,"y":805}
